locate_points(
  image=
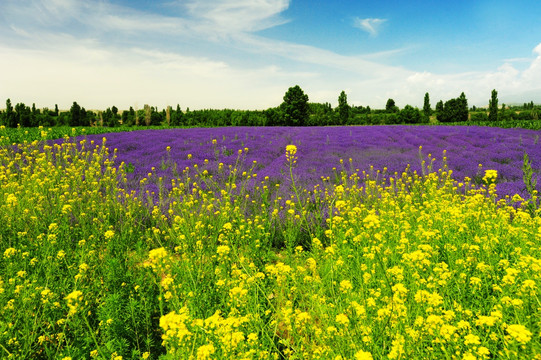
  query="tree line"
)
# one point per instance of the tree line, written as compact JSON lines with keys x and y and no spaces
{"x":295,"y":110}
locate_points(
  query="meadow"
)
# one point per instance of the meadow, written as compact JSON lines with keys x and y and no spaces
{"x":384,"y":242}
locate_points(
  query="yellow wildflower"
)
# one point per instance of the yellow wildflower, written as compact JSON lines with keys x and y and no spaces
{"x":291,"y":149}
{"x":519,"y":333}
{"x":471,"y":339}
{"x":342,"y":319}
{"x":10,"y":252}
{"x":345,"y":286}
{"x":363,"y":355}
{"x":205,"y":351}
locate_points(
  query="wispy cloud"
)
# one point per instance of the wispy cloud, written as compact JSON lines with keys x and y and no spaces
{"x":370,"y":25}
{"x":100,"y":54}
{"x":227,"y":16}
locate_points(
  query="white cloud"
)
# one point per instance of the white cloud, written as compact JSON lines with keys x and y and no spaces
{"x":101,"y":55}
{"x":370,"y":25}
{"x":227,"y":16}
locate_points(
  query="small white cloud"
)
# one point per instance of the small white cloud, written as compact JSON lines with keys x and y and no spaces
{"x":370,"y":25}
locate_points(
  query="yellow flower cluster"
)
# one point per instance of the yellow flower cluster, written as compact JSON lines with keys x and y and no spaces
{"x":291,"y":151}
{"x":401,"y":266}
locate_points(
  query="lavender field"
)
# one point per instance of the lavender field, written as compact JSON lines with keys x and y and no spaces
{"x":321,"y":149}
{"x":272,"y":243}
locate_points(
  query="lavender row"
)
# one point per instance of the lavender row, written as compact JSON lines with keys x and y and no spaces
{"x":320,"y":150}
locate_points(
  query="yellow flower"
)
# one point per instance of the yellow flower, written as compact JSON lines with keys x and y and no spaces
{"x":345,"y":286}
{"x":342,"y":319}
{"x":11,"y":200}
{"x":156,"y":255}
{"x":109,"y":234}
{"x":227,"y":226}
{"x":520,"y":333}
{"x":74,"y":299}
{"x":223,"y":250}
{"x":291,"y":149}
{"x":483,"y":351}
{"x":471,"y":339}
{"x":83,"y":267}
{"x":363,"y":355}
{"x":252,"y":337}
{"x":205,"y":351}
{"x":490,"y":176}
{"x":10,"y":252}
{"x":486,"y":320}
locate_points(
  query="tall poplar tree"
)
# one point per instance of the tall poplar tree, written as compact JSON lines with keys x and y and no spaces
{"x":10,"y":115}
{"x":493,"y":106}
{"x":426,"y":107}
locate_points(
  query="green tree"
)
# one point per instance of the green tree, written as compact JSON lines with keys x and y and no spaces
{"x":86,"y":117}
{"x":295,"y":107}
{"x":493,"y":106}
{"x":343,"y":108}
{"x":391,"y":107}
{"x":75,"y":115}
{"x":409,"y":115}
{"x":9,"y":116}
{"x":427,"y":111}
{"x":462,"y":108}
{"x":124,"y":118}
{"x":177,"y":117}
{"x":111,"y":118}
{"x":23,"y":115}
{"x":439,"y":110}
{"x":454,"y":110}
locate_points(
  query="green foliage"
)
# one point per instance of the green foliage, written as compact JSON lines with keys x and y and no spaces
{"x":478,"y":116}
{"x":530,"y":182}
{"x":427,"y":111}
{"x":9,"y":116}
{"x":295,"y":107}
{"x":343,"y":108}
{"x":296,"y":111}
{"x":454,"y":110}
{"x":410,"y":115}
{"x":391,"y":107}
{"x":493,"y":106}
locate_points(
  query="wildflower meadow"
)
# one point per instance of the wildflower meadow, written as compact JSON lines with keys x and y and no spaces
{"x":288,"y":243}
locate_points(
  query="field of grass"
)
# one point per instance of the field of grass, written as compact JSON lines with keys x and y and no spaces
{"x":414,"y":265}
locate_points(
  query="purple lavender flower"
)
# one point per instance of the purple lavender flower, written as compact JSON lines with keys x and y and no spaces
{"x":321,"y":148}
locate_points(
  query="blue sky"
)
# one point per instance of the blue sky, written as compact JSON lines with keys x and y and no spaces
{"x":244,"y":54}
